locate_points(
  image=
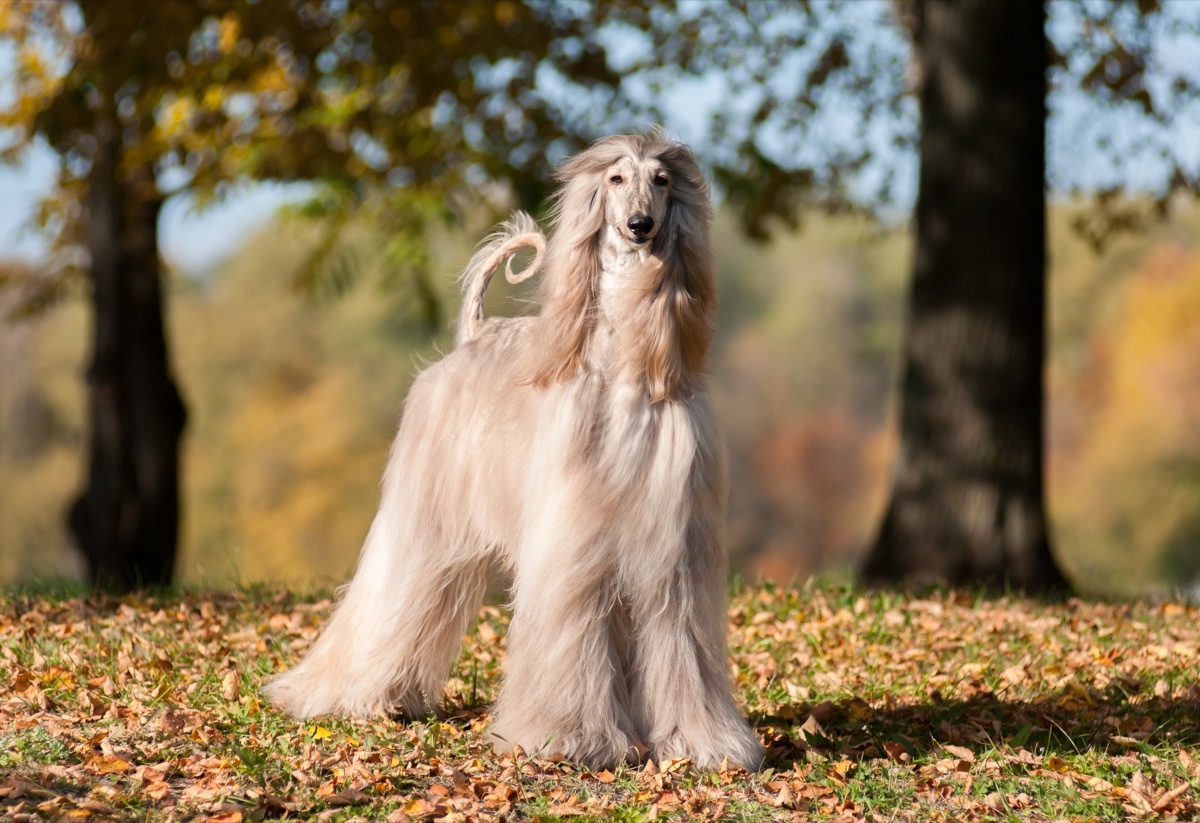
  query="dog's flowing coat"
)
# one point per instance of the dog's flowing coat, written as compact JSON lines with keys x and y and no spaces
{"x":578,"y":445}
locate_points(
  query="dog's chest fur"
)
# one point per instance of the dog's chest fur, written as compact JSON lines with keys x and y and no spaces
{"x":618,"y":289}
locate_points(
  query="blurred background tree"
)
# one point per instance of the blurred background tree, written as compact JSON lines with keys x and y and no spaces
{"x":968,"y":497}
{"x":967,"y":500}
{"x":139,"y":98}
{"x":410,"y":114}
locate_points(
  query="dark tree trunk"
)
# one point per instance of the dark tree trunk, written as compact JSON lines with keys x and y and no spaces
{"x":967,"y":501}
{"x":126,"y":520}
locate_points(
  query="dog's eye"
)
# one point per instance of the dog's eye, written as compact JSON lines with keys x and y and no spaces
{"x":661,"y":180}
{"x":616,"y":179}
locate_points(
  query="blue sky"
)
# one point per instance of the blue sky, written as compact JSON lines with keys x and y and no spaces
{"x":194,"y":240}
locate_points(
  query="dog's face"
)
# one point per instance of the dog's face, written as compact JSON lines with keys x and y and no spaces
{"x":637,"y":193}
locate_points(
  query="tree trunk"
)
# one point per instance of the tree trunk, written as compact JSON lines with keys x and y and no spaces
{"x":967,"y":500}
{"x":126,"y":520}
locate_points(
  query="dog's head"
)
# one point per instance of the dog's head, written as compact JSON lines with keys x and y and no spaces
{"x":637,"y":190}
{"x":640,"y":187}
{"x":642,"y":191}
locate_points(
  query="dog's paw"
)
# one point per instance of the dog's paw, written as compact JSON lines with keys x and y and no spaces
{"x":587,"y":747}
{"x":738,"y":746}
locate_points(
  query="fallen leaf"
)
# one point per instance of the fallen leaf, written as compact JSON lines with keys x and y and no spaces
{"x":1057,"y":764}
{"x":1169,"y":798}
{"x":109,"y":764}
{"x":961,"y":752}
{"x":229,"y":686}
{"x":419,"y":807}
{"x":897,"y":751}
{"x":157,"y":791}
{"x":347,"y":797}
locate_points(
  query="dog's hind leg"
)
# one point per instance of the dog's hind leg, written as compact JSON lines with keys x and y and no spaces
{"x":398,"y":628}
{"x":391,"y":641}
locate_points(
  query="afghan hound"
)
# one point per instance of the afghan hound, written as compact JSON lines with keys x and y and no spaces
{"x":577,"y":445}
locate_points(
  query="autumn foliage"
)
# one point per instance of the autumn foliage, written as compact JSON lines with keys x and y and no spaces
{"x":281,"y":473}
{"x":1128,"y":420}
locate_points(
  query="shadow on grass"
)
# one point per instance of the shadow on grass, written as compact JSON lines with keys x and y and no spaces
{"x":1074,"y":722}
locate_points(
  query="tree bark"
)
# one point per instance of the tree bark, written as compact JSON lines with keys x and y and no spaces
{"x":967,"y":499}
{"x":126,"y":519}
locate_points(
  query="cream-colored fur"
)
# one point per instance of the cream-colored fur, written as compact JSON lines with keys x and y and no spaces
{"x":578,"y":446}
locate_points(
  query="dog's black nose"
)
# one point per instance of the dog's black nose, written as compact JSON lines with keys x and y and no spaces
{"x":641,"y":224}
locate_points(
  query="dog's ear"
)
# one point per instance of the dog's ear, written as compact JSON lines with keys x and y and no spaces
{"x":689,"y":270}
{"x":568,"y":286}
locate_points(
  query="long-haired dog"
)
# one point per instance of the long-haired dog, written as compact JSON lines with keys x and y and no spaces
{"x":579,"y":446}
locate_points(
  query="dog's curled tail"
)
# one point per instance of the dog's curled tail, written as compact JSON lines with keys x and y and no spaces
{"x":518,"y":232}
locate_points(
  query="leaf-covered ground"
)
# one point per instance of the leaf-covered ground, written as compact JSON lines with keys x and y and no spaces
{"x":872,"y":707}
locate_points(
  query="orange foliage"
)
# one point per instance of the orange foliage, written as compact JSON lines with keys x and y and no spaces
{"x":1128,"y":479}
{"x":821,"y":480}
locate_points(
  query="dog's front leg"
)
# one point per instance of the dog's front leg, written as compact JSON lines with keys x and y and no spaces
{"x":682,"y":697}
{"x":673,"y":572}
{"x":564,"y":693}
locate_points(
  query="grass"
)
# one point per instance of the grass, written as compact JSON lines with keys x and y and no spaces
{"x":949,"y":706}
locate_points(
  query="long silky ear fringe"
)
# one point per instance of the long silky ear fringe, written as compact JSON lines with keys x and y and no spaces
{"x":567,"y":289}
{"x":518,"y":232}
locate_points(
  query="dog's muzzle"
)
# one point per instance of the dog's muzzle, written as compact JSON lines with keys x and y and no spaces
{"x":640,"y":226}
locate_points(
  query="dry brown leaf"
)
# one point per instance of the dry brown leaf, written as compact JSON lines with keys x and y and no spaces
{"x":16,"y":787}
{"x":1168,"y":798}
{"x":897,"y":751}
{"x":347,"y":797}
{"x":961,"y":752}
{"x":159,"y":790}
{"x":229,"y":686}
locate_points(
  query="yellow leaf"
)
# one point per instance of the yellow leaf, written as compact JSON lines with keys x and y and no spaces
{"x":31,"y":62}
{"x":214,"y":95}
{"x":418,"y":807}
{"x":176,"y":116}
{"x":1057,"y":764}
{"x":270,"y":79}
{"x":230,"y":30}
{"x":675,"y":764}
{"x":858,"y":709}
{"x":319,"y":732}
{"x":110,"y":764}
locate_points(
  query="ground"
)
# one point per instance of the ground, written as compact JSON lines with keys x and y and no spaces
{"x":872,"y":706}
